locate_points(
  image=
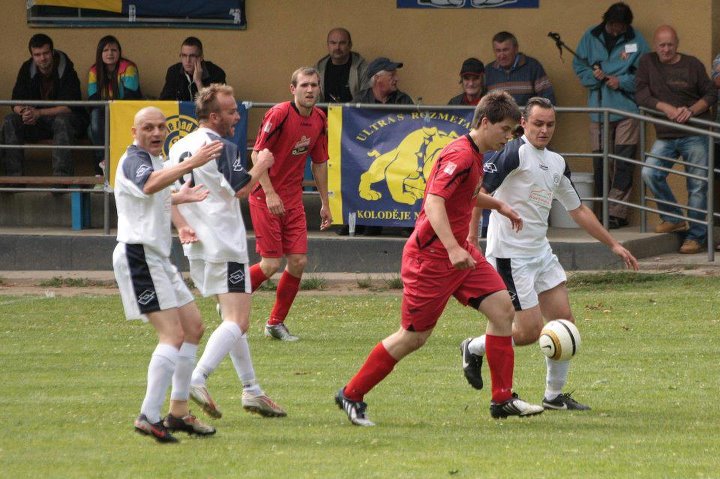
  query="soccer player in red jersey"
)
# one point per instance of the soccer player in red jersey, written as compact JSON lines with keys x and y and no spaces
{"x":291,"y":131}
{"x":439,"y":262}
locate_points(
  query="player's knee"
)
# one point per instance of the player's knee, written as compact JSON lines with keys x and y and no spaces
{"x":526,"y":334}
{"x":194,"y":332}
{"x":297,"y":263}
{"x":270,"y":266}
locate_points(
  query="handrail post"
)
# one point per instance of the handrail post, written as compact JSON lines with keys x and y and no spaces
{"x":106,"y":171}
{"x":643,"y":146}
{"x":606,"y":169}
{"x":710,"y":199}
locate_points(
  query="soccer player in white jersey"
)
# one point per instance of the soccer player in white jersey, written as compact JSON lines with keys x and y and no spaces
{"x":527,"y":176}
{"x":150,"y":286}
{"x":219,"y":259}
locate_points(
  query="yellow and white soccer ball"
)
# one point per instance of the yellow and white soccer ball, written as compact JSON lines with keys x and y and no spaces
{"x":560,"y":340}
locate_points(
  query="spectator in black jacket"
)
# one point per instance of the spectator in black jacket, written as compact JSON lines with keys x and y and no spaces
{"x":47,"y":75}
{"x":184,"y":79}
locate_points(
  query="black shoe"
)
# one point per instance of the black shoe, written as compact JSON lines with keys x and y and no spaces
{"x":514,"y":407}
{"x":156,"y":430}
{"x":614,"y":222}
{"x":344,"y":230}
{"x":371,"y":231}
{"x":472,"y":365}
{"x":189,"y":424}
{"x":564,"y":402}
{"x":355,"y":410}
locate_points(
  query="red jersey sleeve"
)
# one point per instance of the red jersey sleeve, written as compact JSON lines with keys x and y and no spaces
{"x":449,"y":172}
{"x":270,"y":127}
{"x":319,"y":153}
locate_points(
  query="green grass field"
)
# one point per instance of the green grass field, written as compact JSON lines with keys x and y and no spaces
{"x":74,"y":377}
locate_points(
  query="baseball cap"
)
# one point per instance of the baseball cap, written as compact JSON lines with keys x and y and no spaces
{"x":380,"y":64}
{"x":472,"y":66}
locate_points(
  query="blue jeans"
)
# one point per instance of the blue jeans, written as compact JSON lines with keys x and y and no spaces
{"x":694,"y":150}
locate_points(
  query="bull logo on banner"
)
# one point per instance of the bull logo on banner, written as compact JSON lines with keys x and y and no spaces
{"x":380,"y":162}
{"x":406,"y":167}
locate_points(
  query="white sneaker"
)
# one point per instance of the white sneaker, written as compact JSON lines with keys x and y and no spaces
{"x":202,"y":397}
{"x":279,"y":331}
{"x":262,"y":405}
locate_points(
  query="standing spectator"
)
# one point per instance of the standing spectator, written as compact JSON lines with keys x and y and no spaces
{"x":342,"y":71}
{"x":291,"y":131}
{"x":382,"y":75}
{"x":438,"y":263}
{"x":111,"y":77}
{"x":184,"y":79}
{"x":472,"y":75}
{"x":47,"y":75}
{"x":607,"y":58}
{"x":518,"y":74}
{"x":150,"y":286}
{"x":219,"y":258}
{"x":678,"y":86}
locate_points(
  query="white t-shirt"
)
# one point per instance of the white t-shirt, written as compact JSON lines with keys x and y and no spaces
{"x":142,"y":218}
{"x":217,"y":220}
{"x":527,"y":179}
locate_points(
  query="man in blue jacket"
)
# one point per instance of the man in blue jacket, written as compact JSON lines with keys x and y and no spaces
{"x":607,"y":58}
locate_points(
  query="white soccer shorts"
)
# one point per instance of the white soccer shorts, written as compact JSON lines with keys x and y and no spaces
{"x":525,"y":278}
{"x":220,"y":278}
{"x":147,"y":281}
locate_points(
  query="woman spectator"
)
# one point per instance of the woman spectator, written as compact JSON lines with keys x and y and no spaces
{"x":112,"y":77}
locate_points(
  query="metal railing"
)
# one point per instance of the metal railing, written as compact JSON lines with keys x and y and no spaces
{"x":708,"y":129}
{"x":106,"y":190}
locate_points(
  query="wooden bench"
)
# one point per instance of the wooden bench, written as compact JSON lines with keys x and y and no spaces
{"x":79,"y":200}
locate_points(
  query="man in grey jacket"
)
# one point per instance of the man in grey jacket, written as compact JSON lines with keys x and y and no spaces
{"x":342,"y":71}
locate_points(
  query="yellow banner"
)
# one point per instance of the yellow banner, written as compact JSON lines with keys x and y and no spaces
{"x":106,"y":5}
{"x":334,"y":163}
{"x":122,"y":114}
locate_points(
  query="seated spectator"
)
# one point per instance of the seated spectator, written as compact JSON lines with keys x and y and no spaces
{"x":184,"y":79}
{"x":382,"y":75}
{"x":678,"y":86}
{"x":342,"y":71}
{"x":47,"y":75}
{"x":111,"y":77}
{"x":518,"y":74}
{"x":472,"y":75}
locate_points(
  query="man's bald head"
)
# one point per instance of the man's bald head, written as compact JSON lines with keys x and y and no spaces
{"x":665,"y":43}
{"x":149,"y":130}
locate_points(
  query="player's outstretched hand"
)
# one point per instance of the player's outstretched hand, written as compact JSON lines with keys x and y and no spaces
{"x":264,"y":160}
{"x":461,"y":258}
{"x":511,"y":214}
{"x":187,"y":235}
{"x":186,"y":194}
{"x":208,"y":152}
{"x":627,"y":257}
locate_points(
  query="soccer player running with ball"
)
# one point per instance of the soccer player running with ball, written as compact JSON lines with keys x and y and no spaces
{"x":291,"y":131}
{"x":527,"y":176}
{"x":219,"y":258}
{"x":438,"y":262}
{"x":150,"y":286}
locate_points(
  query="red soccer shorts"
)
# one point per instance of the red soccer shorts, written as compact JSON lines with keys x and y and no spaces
{"x":429,"y":283}
{"x":277,"y":236}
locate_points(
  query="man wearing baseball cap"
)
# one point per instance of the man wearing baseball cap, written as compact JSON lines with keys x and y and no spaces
{"x":382,"y":74}
{"x":472,"y":74}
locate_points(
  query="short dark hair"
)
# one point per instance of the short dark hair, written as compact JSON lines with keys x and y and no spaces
{"x":496,"y":106}
{"x":618,"y":13}
{"x":345,"y":31}
{"x":39,"y":40}
{"x":536,"y":101}
{"x":193,"y":42}
{"x":503,"y":36}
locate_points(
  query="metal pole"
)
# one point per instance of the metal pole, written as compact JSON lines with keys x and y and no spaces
{"x":710,"y":199}
{"x":643,"y":140}
{"x":106,"y":171}
{"x":606,"y":168}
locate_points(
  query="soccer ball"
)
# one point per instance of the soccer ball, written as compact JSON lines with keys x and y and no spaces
{"x":559,"y":339}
